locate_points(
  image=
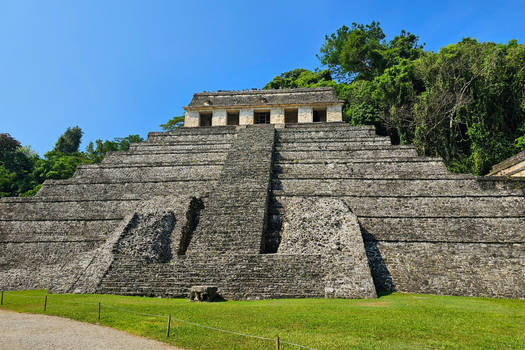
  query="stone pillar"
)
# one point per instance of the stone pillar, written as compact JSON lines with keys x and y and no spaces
{"x":219,"y":117}
{"x":246,"y":117}
{"x":277,"y":116}
{"x":334,"y":113}
{"x":305,"y":115}
{"x":191,"y":119}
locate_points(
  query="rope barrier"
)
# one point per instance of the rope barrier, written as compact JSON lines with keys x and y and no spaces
{"x":172,"y":318}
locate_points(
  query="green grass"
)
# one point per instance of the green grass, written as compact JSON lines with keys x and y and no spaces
{"x":396,"y":321}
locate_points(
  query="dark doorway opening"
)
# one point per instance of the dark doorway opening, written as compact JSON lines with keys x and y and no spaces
{"x":290,"y":116}
{"x":232,"y":118}
{"x":319,"y":115}
{"x":261,"y":117}
{"x":205,"y":119}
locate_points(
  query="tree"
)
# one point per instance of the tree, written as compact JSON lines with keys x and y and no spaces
{"x":16,"y":165}
{"x":69,"y":142}
{"x":299,"y":78}
{"x":361,"y":53}
{"x":173,"y":123}
{"x":96,"y":154}
{"x":7,"y":145}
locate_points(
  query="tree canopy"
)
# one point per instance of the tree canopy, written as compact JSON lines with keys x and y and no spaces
{"x":22,"y":171}
{"x":69,"y":142}
{"x":361,"y":52}
{"x":173,"y":123}
{"x":465,"y":103}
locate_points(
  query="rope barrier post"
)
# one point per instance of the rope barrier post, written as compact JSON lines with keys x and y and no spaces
{"x":45,"y":303}
{"x":168,"y":328}
{"x":99,"y":311}
{"x":2,"y":299}
{"x":277,"y":343}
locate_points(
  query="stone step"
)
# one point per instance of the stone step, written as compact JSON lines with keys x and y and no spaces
{"x":443,"y":185}
{"x":175,"y":147}
{"x":220,"y":221}
{"x":305,"y":127}
{"x":36,"y":256}
{"x":334,"y":135}
{"x":160,"y":157}
{"x":320,"y":125}
{"x":431,"y":206}
{"x":362,"y":153}
{"x":148,"y":172}
{"x":39,"y":228}
{"x":54,"y":209}
{"x":357,"y":168}
{"x":335,"y":145}
{"x":237,"y":276}
{"x":186,"y":138}
{"x":123,"y":190}
{"x":228,"y":129}
{"x":50,"y":237}
{"x":445,"y":229}
{"x":329,"y":140}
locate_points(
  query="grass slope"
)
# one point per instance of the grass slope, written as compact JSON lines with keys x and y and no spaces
{"x":396,"y":321}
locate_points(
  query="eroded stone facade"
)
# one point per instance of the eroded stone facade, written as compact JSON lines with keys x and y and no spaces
{"x":301,"y":210}
{"x":300,"y":102}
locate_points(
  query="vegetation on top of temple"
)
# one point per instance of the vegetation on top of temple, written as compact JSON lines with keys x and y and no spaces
{"x":22,"y":171}
{"x":465,"y":103}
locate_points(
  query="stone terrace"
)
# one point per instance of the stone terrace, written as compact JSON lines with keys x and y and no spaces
{"x":305,"y":210}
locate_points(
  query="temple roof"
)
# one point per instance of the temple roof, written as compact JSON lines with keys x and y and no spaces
{"x":303,"y":96}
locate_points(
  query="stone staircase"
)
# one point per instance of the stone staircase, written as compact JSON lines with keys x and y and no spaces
{"x":235,"y":218}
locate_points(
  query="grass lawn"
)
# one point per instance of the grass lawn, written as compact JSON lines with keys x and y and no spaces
{"x":396,"y":321}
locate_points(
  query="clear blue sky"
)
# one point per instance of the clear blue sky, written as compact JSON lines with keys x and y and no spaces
{"x":116,"y":68}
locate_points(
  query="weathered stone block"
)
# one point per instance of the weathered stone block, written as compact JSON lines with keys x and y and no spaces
{"x":191,"y":119}
{"x":203,"y":293}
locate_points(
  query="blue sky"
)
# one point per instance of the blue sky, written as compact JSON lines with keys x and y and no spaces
{"x":116,"y":68}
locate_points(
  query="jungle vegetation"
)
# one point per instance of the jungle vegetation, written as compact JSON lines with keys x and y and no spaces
{"x":464,"y":103}
{"x":22,"y":171}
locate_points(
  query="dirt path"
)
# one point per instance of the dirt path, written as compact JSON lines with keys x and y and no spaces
{"x":29,"y":331}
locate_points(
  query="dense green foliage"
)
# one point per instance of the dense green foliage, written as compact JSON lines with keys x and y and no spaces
{"x":69,"y":142}
{"x":16,"y":166}
{"x":102,"y":147}
{"x":465,"y":103}
{"x":22,"y":171}
{"x":396,"y":321}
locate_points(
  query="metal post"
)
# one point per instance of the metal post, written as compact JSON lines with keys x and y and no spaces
{"x":45,"y":303}
{"x":277,"y":343}
{"x":168,"y":328}
{"x":2,"y":299}
{"x":99,"y":311}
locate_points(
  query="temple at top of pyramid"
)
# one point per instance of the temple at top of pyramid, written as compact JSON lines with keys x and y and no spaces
{"x":246,"y":107}
{"x":291,"y":203}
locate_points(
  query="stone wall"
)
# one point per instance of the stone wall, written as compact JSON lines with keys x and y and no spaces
{"x":424,"y":229}
{"x":472,"y":269}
